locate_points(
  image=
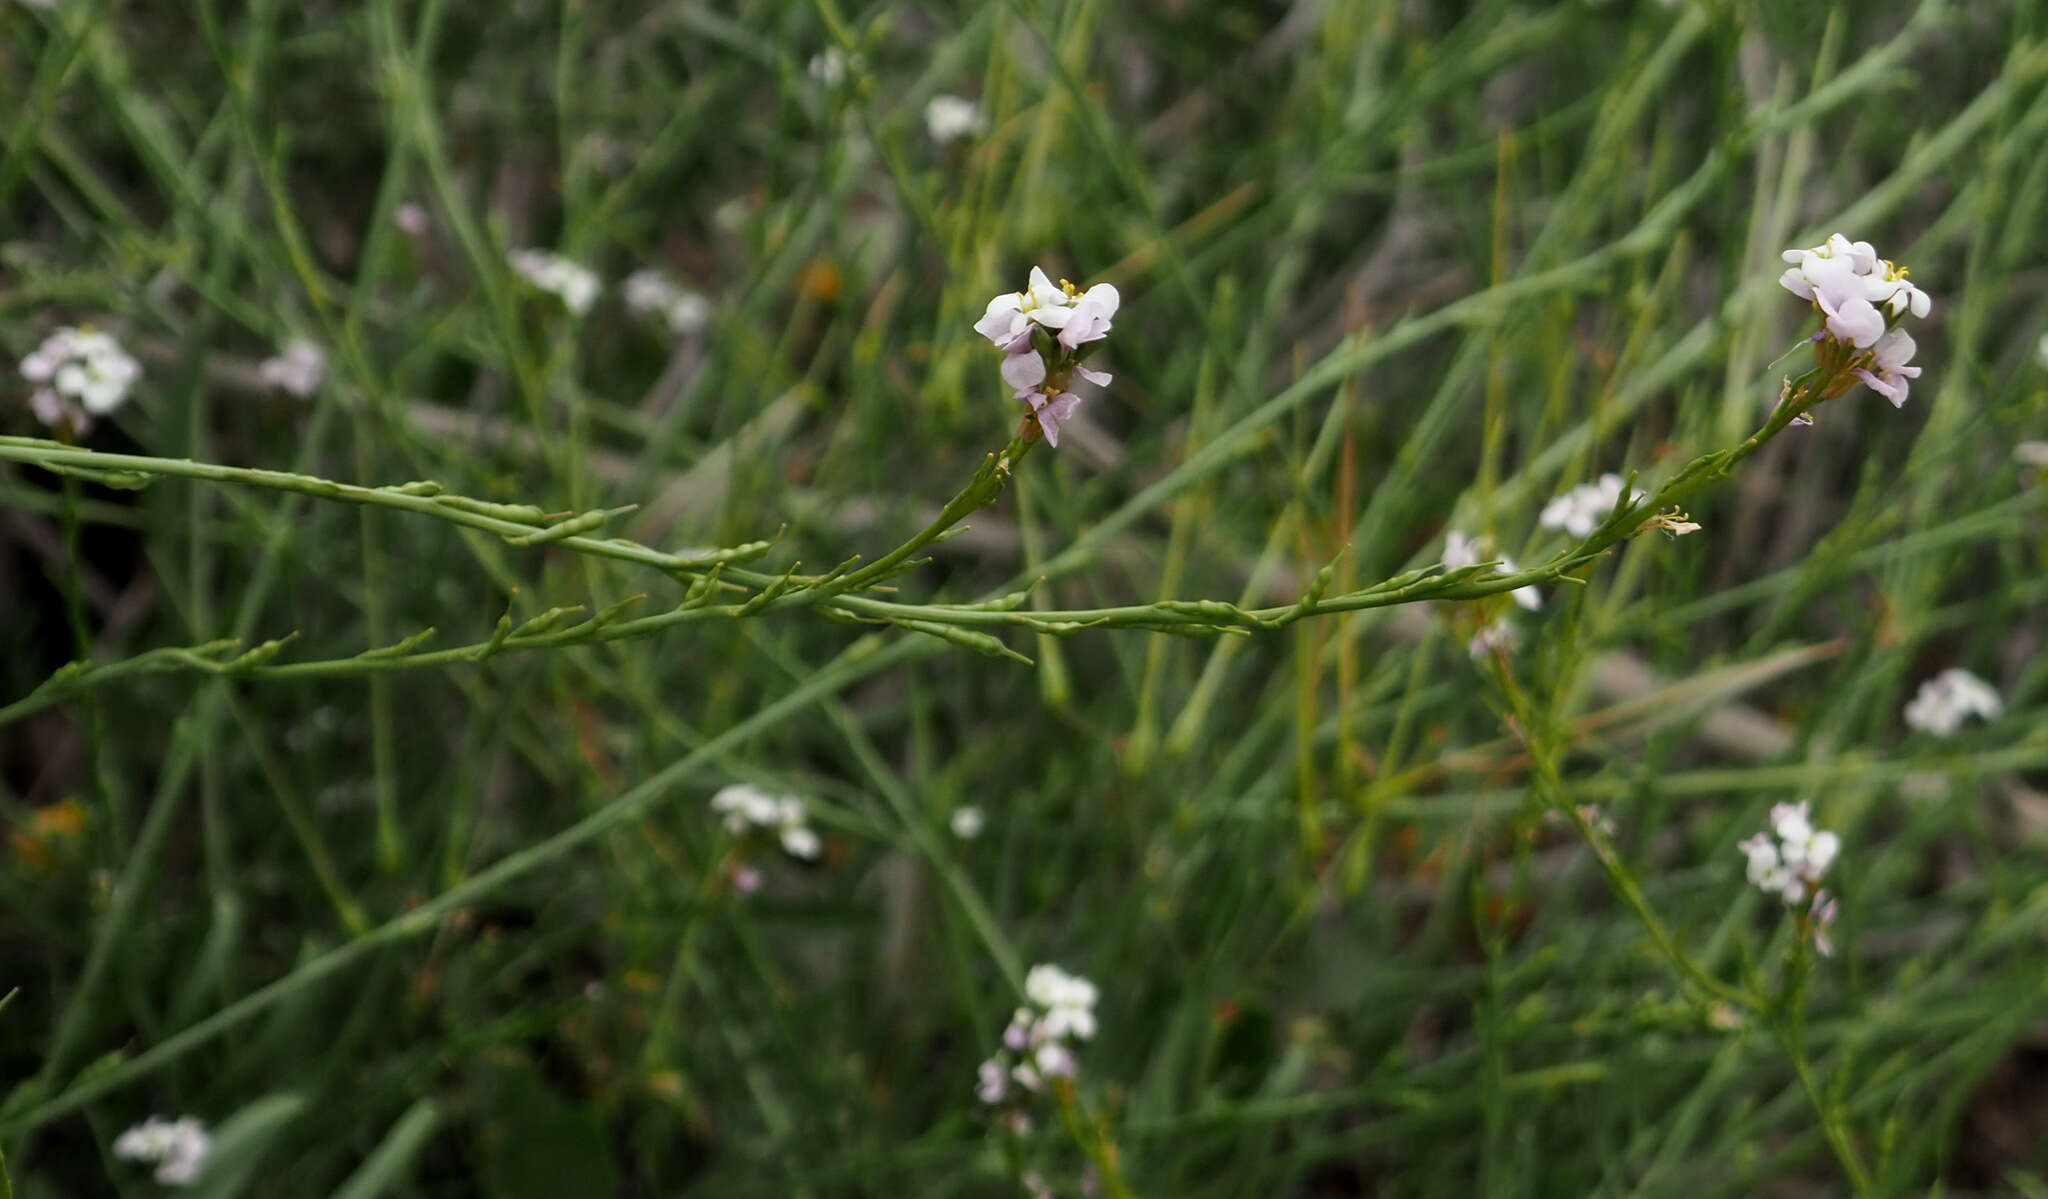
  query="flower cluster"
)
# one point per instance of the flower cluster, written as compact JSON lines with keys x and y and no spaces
{"x":1862,"y":299}
{"x":746,"y":807}
{"x":1790,"y":865}
{"x":1945,"y":701}
{"x":948,"y":118}
{"x":299,"y":370}
{"x":1498,"y":634}
{"x":1037,"y":1045}
{"x":79,"y":374}
{"x":1586,"y":507}
{"x":178,"y":1148}
{"x":1044,"y":332}
{"x":573,"y":283}
{"x":650,"y":293}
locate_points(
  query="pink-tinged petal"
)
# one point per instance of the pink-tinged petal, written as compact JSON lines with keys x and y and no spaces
{"x":1023,"y":372}
{"x":1795,"y":282}
{"x":1002,"y":320}
{"x":50,"y":408}
{"x":1893,"y":390}
{"x":1102,"y":297}
{"x":1085,"y":327}
{"x":1855,"y":322}
{"x":1894,"y":350}
{"x":1055,"y":412}
{"x":1099,"y":378}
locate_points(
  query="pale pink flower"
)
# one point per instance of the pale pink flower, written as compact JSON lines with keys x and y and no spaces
{"x":1892,"y":377}
{"x":1009,"y":317}
{"x":1091,"y":319}
{"x":1023,"y":370}
{"x":1053,"y":412}
{"x":1822,"y":915}
{"x":990,"y":1086}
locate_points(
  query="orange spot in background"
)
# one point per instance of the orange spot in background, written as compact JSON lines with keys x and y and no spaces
{"x":45,"y":833}
{"x":819,"y":281}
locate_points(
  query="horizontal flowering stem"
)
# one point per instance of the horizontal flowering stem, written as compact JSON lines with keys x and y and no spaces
{"x":709,"y":573}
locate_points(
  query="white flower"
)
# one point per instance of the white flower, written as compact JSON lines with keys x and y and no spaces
{"x":1038,"y":372}
{"x":1008,"y":319}
{"x":740,"y":803}
{"x":1835,"y":277}
{"x":1068,"y":1001}
{"x":1529,"y":598}
{"x":1790,"y":866}
{"x":178,"y":1148}
{"x":828,"y":66}
{"x":800,"y":842}
{"x":1048,"y":986}
{"x":1461,"y":551}
{"x":1945,"y":701}
{"x":1091,"y":319}
{"x":745,"y":806}
{"x":967,"y":822}
{"x":1847,"y":281}
{"x":1586,"y":507}
{"x":571,"y":282}
{"x":1807,"y":851}
{"x":1054,"y":1060}
{"x":649,"y":293}
{"x":83,"y":365}
{"x":950,"y":117}
{"x":1037,"y":1043}
{"x":411,"y":219}
{"x":299,"y":370}
{"x":1860,"y":255}
{"x":2031,"y":453}
{"x":1500,"y":635}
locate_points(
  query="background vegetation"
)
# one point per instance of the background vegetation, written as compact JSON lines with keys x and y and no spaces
{"x":1388,"y":269}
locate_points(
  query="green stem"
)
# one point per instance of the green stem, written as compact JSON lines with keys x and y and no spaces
{"x":1097,"y":1147}
{"x":1832,"y":1122}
